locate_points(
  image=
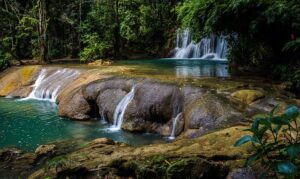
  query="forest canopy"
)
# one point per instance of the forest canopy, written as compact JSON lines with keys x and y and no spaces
{"x":262,"y":34}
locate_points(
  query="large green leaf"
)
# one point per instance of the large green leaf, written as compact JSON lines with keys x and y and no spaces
{"x":279,"y":120}
{"x":293,"y":150}
{"x":292,"y":112}
{"x":243,"y":140}
{"x":286,"y":168}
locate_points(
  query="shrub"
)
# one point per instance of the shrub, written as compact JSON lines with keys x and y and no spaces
{"x":276,"y":140}
{"x":4,"y":61}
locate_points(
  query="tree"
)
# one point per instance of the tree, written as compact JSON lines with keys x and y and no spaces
{"x":43,"y":29}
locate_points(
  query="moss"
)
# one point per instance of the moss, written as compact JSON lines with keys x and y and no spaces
{"x":248,"y":96}
{"x":27,"y":73}
{"x":16,"y":79}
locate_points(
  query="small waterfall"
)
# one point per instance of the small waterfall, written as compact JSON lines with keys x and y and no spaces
{"x":47,"y":86}
{"x":175,"y":122}
{"x":212,"y":47}
{"x":121,"y":108}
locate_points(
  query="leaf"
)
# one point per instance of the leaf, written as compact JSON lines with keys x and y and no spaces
{"x":292,"y":112}
{"x":253,"y":158}
{"x":255,"y":124}
{"x":279,"y":120}
{"x":293,"y":150}
{"x":273,"y":111}
{"x":243,"y":140}
{"x":286,"y":168}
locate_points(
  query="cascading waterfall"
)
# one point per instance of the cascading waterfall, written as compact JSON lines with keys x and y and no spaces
{"x":121,"y":108}
{"x":175,"y":121}
{"x":212,"y":47}
{"x":47,"y":86}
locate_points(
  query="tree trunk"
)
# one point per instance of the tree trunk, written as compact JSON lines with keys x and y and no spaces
{"x":43,"y":26}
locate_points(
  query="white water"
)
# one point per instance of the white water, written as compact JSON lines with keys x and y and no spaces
{"x":120,"y":110}
{"x":47,"y":86}
{"x":175,"y":121}
{"x":212,"y":47}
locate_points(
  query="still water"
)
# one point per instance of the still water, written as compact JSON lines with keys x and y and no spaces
{"x":28,"y":124}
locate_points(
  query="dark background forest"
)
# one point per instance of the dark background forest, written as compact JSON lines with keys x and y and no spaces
{"x":263,"y":35}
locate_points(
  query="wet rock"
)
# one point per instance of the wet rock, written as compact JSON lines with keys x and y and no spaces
{"x":92,"y":90}
{"x":45,"y":150}
{"x":107,"y":102}
{"x":17,"y":81}
{"x":209,"y":113}
{"x":154,"y":104}
{"x":248,"y":96}
{"x":75,"y":106}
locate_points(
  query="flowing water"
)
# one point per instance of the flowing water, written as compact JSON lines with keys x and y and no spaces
{"x":27,"y":124}
{"x":211,"y":47}
{"x":49,"y":83}
{"x":175,"y":122}
{"x":120,"y":110}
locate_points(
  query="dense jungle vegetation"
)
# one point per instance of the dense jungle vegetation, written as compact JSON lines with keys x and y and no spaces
{"x":263,"y":35}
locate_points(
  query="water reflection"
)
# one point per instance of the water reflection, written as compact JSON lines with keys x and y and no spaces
{"x":203,"y":70}
{"x":181,"y":68}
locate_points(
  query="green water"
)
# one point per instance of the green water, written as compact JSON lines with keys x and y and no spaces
{"x":181,"y":68}
{"x":27,"y":124}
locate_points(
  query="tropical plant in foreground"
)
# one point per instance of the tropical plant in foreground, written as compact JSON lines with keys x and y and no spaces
{"x":276,"y":141}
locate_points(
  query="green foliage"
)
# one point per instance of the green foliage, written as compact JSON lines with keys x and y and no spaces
{"x":59,"y":162}
{"x":95,"y":49}
{"x":257,"y":30}
{"x":4,"y":61}
{"x":276,"y":139}
{"x":292,"y":45}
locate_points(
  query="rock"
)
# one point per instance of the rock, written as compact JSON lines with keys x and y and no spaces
{"x":244,"y":173}
{"x":75,"y":106}
{"x":92,"y":90}
{"x":153,"y":106}
{"x":17,"y":82}
{"x":100,"y":63}
{"x":209,"y":113}
{"x":248,"y":96}
{"x":45,"y":150}
{"x":209,"y":156}
{"x":103,"y":141}
{"x":106,"y":109}
{"x":10,"y":153}
{"x":15,"y":163}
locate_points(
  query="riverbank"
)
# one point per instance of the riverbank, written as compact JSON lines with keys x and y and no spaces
{"x":206,"y":115}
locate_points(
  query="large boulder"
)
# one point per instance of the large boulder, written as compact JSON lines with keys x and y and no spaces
{"x":107,"y":102}
{"x":153,"y":106}
{"x":92,"y":90}
{"x":209,"y":113}
{"x":75,"y":106}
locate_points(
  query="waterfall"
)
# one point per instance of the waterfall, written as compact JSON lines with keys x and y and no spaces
{"x":48,"y":85}
{"x":121,"y":108}
{"x":175,"y":121}
{"x":212,"y":47}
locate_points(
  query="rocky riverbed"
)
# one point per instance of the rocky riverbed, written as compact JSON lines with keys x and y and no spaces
{"x":214,"y":112}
